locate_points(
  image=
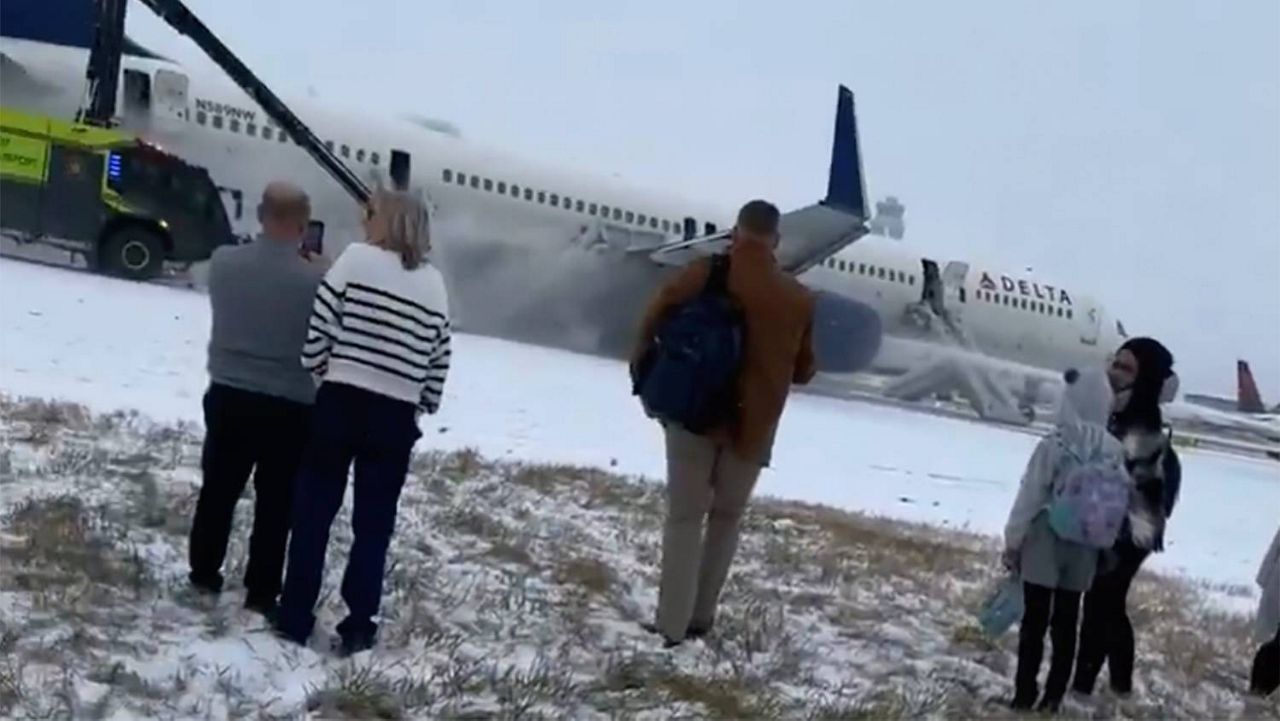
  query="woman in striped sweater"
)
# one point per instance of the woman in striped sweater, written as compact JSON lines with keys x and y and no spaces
{"x":378,"y":346}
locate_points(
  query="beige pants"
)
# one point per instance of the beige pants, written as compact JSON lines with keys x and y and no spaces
{"x":704,"y":482}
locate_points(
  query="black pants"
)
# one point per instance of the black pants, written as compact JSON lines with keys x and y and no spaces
{"x":377,"y":434}
{"x":1106,"y":634}
{"x":247,"y":433}
{"x":1265,"y":677}
{"x":1045,"y":609}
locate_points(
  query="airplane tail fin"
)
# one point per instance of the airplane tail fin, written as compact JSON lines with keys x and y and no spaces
{"x":57,"y":22}
{"x":1248,"y":399}
{"x":845,"y":188}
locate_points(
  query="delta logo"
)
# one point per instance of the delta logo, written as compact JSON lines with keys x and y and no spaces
{"x":1025,"y":288}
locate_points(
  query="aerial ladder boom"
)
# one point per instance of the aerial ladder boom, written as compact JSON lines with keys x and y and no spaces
{"x":180,"y":18}
{"x":103,"y":73}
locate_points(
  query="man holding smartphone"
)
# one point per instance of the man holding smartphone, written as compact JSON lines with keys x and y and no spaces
{"x":257,"y":409}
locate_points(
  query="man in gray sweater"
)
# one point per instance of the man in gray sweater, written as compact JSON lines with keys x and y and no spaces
{"x":257,"y":408}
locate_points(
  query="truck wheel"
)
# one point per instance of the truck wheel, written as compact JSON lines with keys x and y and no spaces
{"x":132,"y":252}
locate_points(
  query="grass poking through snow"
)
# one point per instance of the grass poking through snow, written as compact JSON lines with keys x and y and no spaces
{"x":516,"y":591}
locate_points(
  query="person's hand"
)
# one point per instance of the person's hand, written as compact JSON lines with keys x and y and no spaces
{"x":1011,"y":559}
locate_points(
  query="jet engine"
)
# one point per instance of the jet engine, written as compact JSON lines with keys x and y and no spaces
{"x":846,"y":333}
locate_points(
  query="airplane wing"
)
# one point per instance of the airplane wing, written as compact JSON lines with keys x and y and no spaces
{"x":810,"y":234}
{"x":18,"y":80}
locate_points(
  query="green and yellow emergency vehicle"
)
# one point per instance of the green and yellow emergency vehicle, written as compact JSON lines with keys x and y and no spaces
{"x":124,"y":204}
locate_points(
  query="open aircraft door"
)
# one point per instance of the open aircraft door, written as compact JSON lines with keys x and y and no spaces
{"x":953,"y":279}
{"x":170,"y":97}
{"x":1091,"y":324}
{"x":154,"y":101}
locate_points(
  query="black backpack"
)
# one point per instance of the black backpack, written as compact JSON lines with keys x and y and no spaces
{"x":689,"y":376}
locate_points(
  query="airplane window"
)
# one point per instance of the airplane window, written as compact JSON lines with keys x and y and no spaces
{"x":475,"y":182}
{"x":653,"y":223}
{"x":879,"y":272}
{"x":329,"y":145}
{"x":617,"y":214}
{"x":235,"y":125}
{"x":250,"y":129}
{"x":283,"y":137}
{"x":631,"y":216}
{"x":604,"y":211}
{"x":711,"y":228}
{"x":266,"y":133}
{"x":502,"y":187}
{"x":360,"y":156}
{"x":568,"y":203}
{"x":555,"y":199}
{"x":893,"y":276}
{"x":642,"y":219}
{"x":217,"y":121}
{"x":447,"y":175}
{"x":1069,"y":313}
{"x":542,"y":196}
{"x":1059,"y":312}
{"x":528,"y":195}
{"x":666,"y":226}
{"x":515,"y":191}
{"x":593,"y":209}
{"x":346,"y":151}
{"x":911,"y":280}
{"x":462,"y":178}
{"x":202,"y":117}
{"x":862,"y":269}
{"x":1024,"y":303}
{"x":675,"y":226}
{"x":581,"y":208}
{"x":373,"y":158}
{"x":488,"y":185}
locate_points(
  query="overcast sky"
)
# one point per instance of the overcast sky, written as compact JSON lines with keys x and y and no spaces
{"x":1127,"y":149}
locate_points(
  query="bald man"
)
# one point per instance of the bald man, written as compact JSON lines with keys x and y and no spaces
{"x":257,"y":409}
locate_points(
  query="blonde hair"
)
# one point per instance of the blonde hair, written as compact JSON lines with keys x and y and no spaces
{"x":408,"y":226}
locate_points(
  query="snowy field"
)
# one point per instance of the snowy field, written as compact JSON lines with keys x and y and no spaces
{"x":114,"y":345}
{"x":515,"y":591}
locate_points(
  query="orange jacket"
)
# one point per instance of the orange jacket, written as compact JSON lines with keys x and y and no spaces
{"x":778,"y":314}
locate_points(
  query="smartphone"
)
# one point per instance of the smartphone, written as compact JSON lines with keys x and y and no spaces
{"x":313,"y":239}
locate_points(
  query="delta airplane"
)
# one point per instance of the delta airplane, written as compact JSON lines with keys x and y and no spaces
{"x":566,"y":258}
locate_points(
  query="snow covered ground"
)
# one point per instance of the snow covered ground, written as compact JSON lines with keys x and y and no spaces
{"x":114,"y":345}
{"x":516,"y":591}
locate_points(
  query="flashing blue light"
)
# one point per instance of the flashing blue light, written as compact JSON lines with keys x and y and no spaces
{"x":113,"y":165}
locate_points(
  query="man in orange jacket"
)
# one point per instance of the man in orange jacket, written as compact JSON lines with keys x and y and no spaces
{"x":711,"y":476}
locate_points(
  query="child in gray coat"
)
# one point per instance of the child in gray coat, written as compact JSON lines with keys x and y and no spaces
{"x":1055,"y":572}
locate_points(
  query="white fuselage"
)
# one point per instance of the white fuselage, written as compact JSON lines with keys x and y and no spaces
{"x":516,"y":237}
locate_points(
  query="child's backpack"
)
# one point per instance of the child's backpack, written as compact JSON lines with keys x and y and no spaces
{"x":690,"y":375}
{"x":1090,"y":498}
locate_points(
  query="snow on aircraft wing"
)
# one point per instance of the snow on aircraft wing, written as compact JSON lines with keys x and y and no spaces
{"x":811,"y":234}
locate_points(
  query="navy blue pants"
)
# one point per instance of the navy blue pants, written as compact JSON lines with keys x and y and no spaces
{"x":376,"y":434}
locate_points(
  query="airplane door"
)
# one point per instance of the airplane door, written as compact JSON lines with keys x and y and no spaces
{"x":1091,"y":325}
{"x":953,"y":278}
{"x":170,"y":94}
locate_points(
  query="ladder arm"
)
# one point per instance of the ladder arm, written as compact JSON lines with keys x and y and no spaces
{"x":180,"y":18}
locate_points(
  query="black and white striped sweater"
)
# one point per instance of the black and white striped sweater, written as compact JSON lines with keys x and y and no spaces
{"x":380,"y":327}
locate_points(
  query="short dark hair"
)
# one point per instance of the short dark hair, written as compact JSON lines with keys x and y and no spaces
{"x":759,"y":216}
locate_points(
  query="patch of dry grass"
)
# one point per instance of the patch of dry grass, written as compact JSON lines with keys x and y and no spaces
{"x":827,"y":614}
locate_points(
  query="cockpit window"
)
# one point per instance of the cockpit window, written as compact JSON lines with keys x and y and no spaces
{"x":1120,"y":329}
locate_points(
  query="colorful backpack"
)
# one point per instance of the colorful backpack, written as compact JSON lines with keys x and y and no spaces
{"x":1090,"y":499}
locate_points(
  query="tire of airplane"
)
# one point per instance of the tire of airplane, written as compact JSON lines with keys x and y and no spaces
{"x":132,"y":252}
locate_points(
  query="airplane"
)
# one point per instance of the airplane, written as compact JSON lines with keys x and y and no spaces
{"x":563,"y":258}
{"x":1248,"y":400}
